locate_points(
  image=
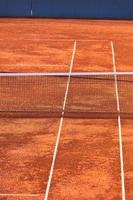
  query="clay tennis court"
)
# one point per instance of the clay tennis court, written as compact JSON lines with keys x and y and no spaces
{"x":65,"y":158}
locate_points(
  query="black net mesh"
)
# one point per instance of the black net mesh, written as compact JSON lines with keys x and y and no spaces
{"x":88,"y":95}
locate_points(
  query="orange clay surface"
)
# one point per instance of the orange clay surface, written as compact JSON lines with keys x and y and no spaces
{"x":47,"y":44}
{"x":87,"y":165}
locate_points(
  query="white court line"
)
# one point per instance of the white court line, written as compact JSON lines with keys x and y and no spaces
{"x":60,"y":126}
{"x":57,"y":40}
{"x":64,"y":74}
{"x":119,"y":126}
{"x":19,"y":195}
{"x":34,"y":65}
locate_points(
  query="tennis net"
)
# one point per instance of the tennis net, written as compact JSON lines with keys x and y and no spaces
{"x":94,"y":95}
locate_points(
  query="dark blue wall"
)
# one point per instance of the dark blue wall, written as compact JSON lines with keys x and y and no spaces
{"x":15,"y":7}
{"x":83,"y":8}
{"x":68,"y":8}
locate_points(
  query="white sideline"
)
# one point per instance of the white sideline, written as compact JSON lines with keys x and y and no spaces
{"x":60,"y":127}
{"x":119,"y":125}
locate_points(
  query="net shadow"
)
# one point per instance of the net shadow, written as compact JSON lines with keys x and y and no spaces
{"x":73,"y":115}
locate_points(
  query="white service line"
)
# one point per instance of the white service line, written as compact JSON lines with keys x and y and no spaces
{"x":19,"y":195}
{"x":119,"y":125}
{"x":56,"y":40}
{"x":60,"y":126}
{"x":34,"y":65}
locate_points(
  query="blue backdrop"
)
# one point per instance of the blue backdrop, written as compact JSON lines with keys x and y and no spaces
{"x":15,"y":8}
{"x":68,"y":8}
{"x":84,"y":8}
